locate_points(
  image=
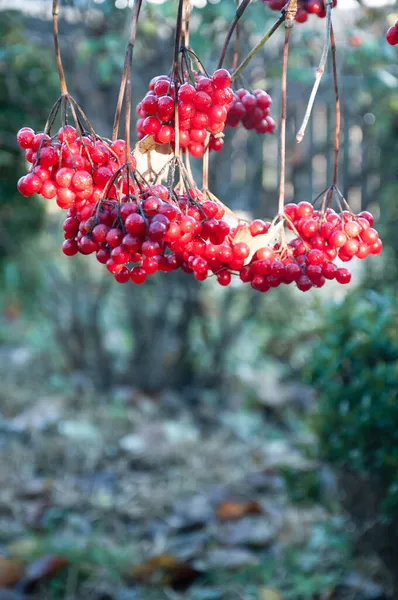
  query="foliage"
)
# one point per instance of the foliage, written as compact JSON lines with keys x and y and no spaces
{"x":27,"y":79}
{"x":354,"y":368}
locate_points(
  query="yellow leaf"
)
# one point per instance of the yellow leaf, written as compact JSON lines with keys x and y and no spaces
{"x":151,"y":157}
{"x":259,"y":241}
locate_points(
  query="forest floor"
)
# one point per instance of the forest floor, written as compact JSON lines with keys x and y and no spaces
{"x":132,"y":497}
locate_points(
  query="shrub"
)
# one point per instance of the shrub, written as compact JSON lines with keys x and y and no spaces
{"x":354,"y":369}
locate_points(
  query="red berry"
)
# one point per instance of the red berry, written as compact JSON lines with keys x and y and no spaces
{"x":221,"y":78}
{"x":343,"y":276}
{"x":25,"y":137}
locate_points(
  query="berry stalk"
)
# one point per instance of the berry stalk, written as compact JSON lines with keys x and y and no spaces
{"x":62,"y":81}
{"x":282,"y":144}
{"x":259,"y":45}
{"x":239,"y":12}
{"x":338,"y":108}
{"x":319,"y":73}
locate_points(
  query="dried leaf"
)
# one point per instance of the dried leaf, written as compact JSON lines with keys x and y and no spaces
{"x":151,"y":157}
{"x":42,"y":569}
{"x":230,"y":511}
{"x":145,"y":572}
{"x":11,"y":572}
{"x":259,"y":241}
{"x":265,"y":593}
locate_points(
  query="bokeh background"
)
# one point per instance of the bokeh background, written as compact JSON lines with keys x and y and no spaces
{"x":178,"y":440}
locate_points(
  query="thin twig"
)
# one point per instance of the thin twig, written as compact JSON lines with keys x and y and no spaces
{"x":129,"y":59}
{"x":205,"y":175}
{"x":177,"y":40}
{"x":186,"y":17}
{"x":318,"y":75}
{"x":239,"y":12}
{"x":282,"y":144}
{"x":338,"y":109}
{"x":126,"y":68}
{"x":235,"y":59}
{"x":64,"y":89}
{"x":259,"y":45}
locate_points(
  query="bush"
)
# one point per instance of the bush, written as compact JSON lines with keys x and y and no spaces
{"x":354,"y":369}
{"x":355,"y":372}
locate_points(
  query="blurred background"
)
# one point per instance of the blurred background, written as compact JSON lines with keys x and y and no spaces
{"x":182,"y":440}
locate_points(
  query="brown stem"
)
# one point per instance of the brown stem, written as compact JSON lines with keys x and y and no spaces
{"x":186,"y":17}
{"x":239,"y":12}
{"x":282,"y":144}
{"x":235,"y":59}
{"x":129,"y":61}
{"x":64,"y":89}
{"x":259,"y":45}
{"x":126,"y":68}
{"x":177,"y":40}
{"x":205,"y":180}
{"x":318,"y":75}
{"x":338,"y":109}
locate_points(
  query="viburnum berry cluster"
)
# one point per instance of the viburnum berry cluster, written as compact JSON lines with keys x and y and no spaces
{"x":305,"y":8}
{"x":252,"y":110}
{"x":202,"y":108}
{"x":72,"y":169}
{"x":155,"y":231}
{"x":392,"y":35}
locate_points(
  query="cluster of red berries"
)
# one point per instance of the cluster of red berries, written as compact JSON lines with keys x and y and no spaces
{"x":392,"y":35}
{"x":252,"y":110}
{"x":152,"y":232}
{"x":202,"y":110}
{"x":71,"y":169}
{"x":305,"y":8}
{"x":308,"y":260}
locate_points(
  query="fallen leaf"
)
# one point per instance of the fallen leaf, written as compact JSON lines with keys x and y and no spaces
{"x":259,"y":241}
{"x":229,"y":511}
{"x":265,"y":593}
{"x":11,"y":572}
{"x":145,"y":572}
{"x":40,"y":570}
{"x":152,"y":157}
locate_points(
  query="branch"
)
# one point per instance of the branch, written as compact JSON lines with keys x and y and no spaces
{"x":259,"y":45}
{"x":126,"y":76}
{"x":239,"y":12}
{"x":318,"y":75}
{"x":282,"y":148}
{"x":338,"y":108}
{"x":64,"y":89}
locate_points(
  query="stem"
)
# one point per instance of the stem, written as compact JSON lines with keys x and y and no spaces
{"x":177,"y":41}
{"x":237,"y":44}
{"x":318,"y":75}
{"x":239,"y":12}
{"x":185,"y":23}
{"x":64,"y":89}
{"x":338,"y":110}
{"x":129,"y":61}
{"x":205,"y":180}
{"x":282,"y":145}
{"x":127,"y":67}
{"x":259,"y":45}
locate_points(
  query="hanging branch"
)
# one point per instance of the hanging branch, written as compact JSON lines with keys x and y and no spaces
{"x":338,"y":110}
{"x":186,"y":17}
{"x":239,"y":12}
{"x":177,"y":47}
{"x":127,"y":67}
{"x":64,"y":89}
{"x":259,"y":45}
{"x":318,"y":75}
{"x":282,"y":142}
{"x":237,"y":44}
